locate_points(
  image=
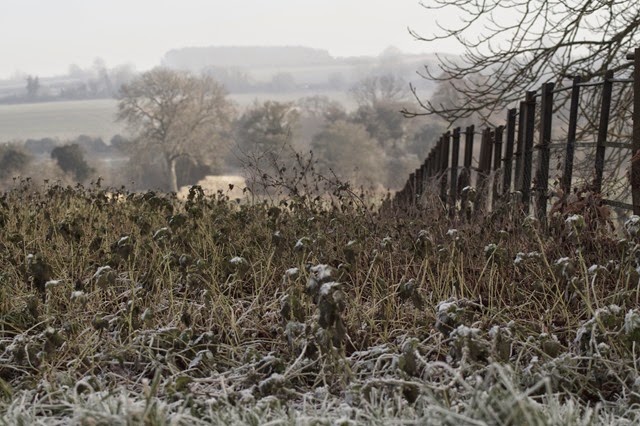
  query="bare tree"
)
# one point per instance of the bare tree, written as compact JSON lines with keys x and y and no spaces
{"x":379,"y":88}
{"x":510,"y":45}
{"x":176,"y":114}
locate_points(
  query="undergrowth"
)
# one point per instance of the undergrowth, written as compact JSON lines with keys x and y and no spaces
{"x":139,"y":308}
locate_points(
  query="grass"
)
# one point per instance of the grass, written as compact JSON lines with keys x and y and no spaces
{"x":123,"y":308}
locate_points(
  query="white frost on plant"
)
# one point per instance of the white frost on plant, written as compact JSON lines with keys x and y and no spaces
{"x":447,"y":306}
{"x":326,"y":288}
{"x":632,"y":225}
{"x":464,"y":331}
{"x":575,"y":221}
{"x":523,"y":257}
{"x":52,"y":283}
{"x":238,"y":261}
{"x":292,"y":273}
{"x":490,"y":249}
{"x":631,"y":321}
{"x":322,"y":272}
{"x":301,"y":244}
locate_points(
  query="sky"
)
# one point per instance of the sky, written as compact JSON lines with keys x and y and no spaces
{"x":44,"y":37}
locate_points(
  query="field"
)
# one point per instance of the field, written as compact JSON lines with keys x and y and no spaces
{"x":69,"y":119}
{"x":120,"y":308}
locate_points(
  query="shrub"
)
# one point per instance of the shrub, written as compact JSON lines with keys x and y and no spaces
{"x":70,"y":159}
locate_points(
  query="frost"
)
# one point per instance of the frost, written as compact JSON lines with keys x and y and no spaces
{"x":594,"y":269}
{"x":76,"y":295}
{"x":523,"y":257}
{"x":386,"y":243}
{"x":292,"y":273}
{"x":447,"y":305}
{"x":104,"y":276}
{"x":632,"y":225}
{"x":301,"y":244}
{"x":494,"y":331}
{"x":631,"y":321}
{"x":322,"y":272}
{"x":238,"y":261}
{"x":326,"y":288}
{"x":574,"y":223}
{"x":52,"y":283}
{"x":161,"y":233}
{"x":464,"y":331}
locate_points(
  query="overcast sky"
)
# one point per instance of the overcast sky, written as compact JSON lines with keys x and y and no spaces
{"x":44,"y":37}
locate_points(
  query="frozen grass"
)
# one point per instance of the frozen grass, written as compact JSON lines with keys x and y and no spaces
{"x":143,"y":309}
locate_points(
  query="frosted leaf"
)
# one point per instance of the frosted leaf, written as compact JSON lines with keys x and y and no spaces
{"x":631,"y":321}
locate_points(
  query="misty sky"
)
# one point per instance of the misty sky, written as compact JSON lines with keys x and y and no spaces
{"x":44,"y":37}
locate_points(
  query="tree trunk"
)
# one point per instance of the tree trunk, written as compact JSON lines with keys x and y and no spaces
{"x":173,"y":178}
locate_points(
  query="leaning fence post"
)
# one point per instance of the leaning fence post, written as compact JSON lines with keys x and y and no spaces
{"x":517,"y":184}
{"x":530,"y":116}
{"x":508,"y":157}
{"x":603,"y":129}
{"x":412,"y":188}
{"x":497,"y":160}
{"x":484,"y":166}
{"x":419,"y":183}
{"x":465,"y":178}
{"x":445,"y":165}
{"x":438,"y":157}
{"x":455,"y":153}
{"x":571,"y":136}
{"x":635,"y":163}
{"x":542,"y":174}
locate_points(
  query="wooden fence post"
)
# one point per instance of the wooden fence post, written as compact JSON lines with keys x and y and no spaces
{"x":542,"y":174}
{"x":517,"y":184}
{"x":571,"y":136}
{"x":508,"y":157}
{"x":419,"y":183}
{"x":530,"y":116}
{"x":497,"y":160}
{"x":469,"y":137}
{"x":445,"y":165}
{"x":453,"y":190}
{"x":412,"y":188}
{"x":484,"y":168}
{"x":635,"y":163}
{"x":438,"y":157}
{"x":603,"y":129}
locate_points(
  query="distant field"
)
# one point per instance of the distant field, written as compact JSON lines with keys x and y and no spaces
{"x":62,"y":120}
{"x":67,"y":120}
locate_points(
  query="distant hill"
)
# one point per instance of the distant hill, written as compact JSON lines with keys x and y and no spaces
{"x":197,"y":58}
{"x":250,"y":68}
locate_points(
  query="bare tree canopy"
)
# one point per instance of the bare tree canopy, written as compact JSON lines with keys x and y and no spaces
{"x":511,"y":45}
{"x":176,"y":114}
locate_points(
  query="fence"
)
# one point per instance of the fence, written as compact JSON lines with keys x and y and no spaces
{"x":506,"y":153}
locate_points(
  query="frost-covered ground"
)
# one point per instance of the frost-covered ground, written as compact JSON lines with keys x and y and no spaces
{"x":143,"y":309}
